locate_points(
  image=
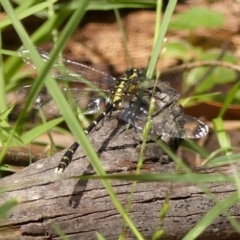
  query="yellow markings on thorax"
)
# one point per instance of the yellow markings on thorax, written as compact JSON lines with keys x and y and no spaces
{"x":125,"y":87}
{"x":118,"y":93}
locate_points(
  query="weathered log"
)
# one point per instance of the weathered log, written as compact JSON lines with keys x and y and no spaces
{"x":80,"y":208}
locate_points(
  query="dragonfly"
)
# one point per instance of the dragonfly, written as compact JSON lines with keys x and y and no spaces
{"x":130,"y":94}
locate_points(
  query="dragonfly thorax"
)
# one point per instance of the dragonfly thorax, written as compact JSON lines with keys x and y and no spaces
{"x":128,"y":84}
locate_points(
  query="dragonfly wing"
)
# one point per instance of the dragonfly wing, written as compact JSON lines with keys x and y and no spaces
{"x":177,"y":125}
{"x":171,"y":122}
{"x":85,"y":101}
{"x":80,"y":100}
{"x":67,"y":70}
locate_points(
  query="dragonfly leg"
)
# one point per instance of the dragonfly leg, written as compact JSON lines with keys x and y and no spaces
{"x":67,"y":158}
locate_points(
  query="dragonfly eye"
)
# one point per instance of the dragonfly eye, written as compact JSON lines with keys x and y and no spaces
{"x":133,"y":73}
{"x":129,"y":72}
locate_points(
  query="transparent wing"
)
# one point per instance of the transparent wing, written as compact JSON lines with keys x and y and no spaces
{"x":177,"y":125}
{"x":80,"y":100}
{"x":166,"y":121}
{"x":72,"y":71}
{"x":86,"y":89}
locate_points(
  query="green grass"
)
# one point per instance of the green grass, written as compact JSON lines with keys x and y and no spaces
{"x":73,"y":13}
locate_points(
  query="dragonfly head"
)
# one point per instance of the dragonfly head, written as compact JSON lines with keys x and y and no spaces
{"x":134,"y":73}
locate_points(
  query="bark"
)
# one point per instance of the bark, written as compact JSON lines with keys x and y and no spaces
{"x":81,"y":208}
